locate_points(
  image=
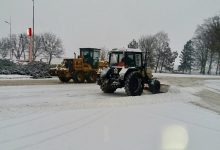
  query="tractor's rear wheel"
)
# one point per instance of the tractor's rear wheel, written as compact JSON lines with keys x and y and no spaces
{"x":154,"y":86}
{"x":134,"y":84}
{"x":106,"y":87}
{"x":64,"y":79}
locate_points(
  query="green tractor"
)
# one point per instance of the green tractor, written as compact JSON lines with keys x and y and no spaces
{"x":127,"y":69}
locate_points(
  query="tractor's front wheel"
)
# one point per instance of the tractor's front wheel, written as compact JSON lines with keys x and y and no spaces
{"x":154,"y":86}
{"x":79,"y":77}
{"x":64,"y":79}
{"x":134,"y":84}
{"x":106,"y":87}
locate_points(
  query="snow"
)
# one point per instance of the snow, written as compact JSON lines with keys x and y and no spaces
{"x":81,"y":117}
{"x":127,"y":49}
{"x":185,"y":75}
{"x":13,"y":77}
{"x":213,"y":84}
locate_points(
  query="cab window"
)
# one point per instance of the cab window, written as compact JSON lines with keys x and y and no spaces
{"x":130,"y":62}
{"x":138,"y":59}
{"x":115,"y":58}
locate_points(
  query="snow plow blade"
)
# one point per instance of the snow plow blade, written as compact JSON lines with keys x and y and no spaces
{"x":164,"y":88}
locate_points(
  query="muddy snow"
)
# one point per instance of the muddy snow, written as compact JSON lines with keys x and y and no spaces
{"x":48,"y":115}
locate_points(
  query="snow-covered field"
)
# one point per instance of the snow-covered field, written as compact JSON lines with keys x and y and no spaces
{"x":81,"y":117}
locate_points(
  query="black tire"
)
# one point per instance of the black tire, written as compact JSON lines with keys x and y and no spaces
{"x":154,"y":86}
{"x":79,"y":77}
{"x":134,"y":84}
{"x":64,"y":79}
{"x":98,"y":80}
{"x":106,"y":87}
{"x":91,"y":77}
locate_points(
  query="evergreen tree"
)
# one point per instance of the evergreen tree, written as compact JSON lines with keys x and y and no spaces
{"x":187,"y":57}
{"x":167,"y":59}
{"x":133,"y":44}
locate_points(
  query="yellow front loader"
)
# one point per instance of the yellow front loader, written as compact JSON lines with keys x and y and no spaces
{"x":81,"y":69}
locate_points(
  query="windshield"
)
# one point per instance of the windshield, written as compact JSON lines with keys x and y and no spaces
{"x":133,"y":59}
{"x":91,"y":56}
{"x":116,"y":58}
{"x":96,"y":56}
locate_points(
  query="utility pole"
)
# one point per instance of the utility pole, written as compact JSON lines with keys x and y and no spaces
{"x":10,"y":37}
{"x":33,"y":48}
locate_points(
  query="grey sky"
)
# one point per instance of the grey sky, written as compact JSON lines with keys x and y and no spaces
{"x":109,"y":23}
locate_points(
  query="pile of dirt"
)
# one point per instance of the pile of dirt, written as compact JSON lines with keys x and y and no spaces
{"x":35,"y":69}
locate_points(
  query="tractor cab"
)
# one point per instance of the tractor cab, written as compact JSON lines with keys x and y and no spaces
{"x":125,"y":58}
{"x":91,"y":56}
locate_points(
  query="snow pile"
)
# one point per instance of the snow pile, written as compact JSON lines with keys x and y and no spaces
{"x":37,"y":69}
{"x":34,"y":69}
{"x":7,"y":67}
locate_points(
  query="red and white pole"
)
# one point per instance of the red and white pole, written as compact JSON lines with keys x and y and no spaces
{"x":29,"y":33}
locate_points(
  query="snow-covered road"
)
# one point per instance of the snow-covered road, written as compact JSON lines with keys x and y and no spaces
{"x":81,"y":117}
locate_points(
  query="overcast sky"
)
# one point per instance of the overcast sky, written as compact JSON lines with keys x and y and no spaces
{"x":107,"y":23}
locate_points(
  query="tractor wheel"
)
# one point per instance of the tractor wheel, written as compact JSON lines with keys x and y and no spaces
{"x":106,"y":87}
{"x":154,"y":86}
{"x":64,"y":79}
{"x":91,"y":77}
{"x":134,"y":84}
{"x":80,"y":78}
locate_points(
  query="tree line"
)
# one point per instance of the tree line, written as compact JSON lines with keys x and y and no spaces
{"x":202,"y":52}
{"x":157,"y":52}
{"x":46,"y":46}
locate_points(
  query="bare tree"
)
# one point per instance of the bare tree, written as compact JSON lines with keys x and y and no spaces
{"x":23,"y":44}
{"x":147,"y":44}
{"x":161,"y":46}
{"x":19,"y":44}
{"x":209,"y":26}
{"x":52,"y":46}
{"x":207,"y":42}
{"x":214,"y":36}
{"x":104,"y":53}
{"x":38,"y":47}
{"x":202,"y":54}
{"x":200,"y":42}
{"x":4,"y":47}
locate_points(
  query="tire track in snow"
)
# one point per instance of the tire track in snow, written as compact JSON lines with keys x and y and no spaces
{"x":25,"y":121}
{"x":49,"y":129}
{"x":19,"y":116}
{"x":43,"y":140}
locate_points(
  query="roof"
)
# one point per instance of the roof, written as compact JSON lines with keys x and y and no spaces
{"x":126,"y":50}
{"x":91,"y":48}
